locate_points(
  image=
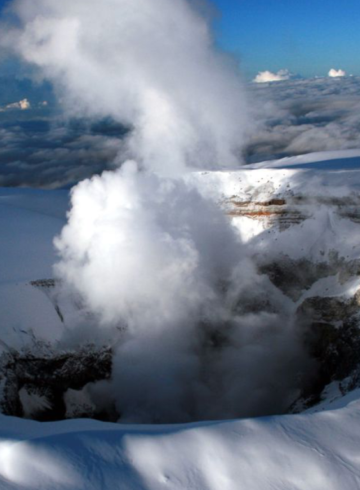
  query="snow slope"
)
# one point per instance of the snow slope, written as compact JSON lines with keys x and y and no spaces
{"x":29,"y":220}
{"x":297,"y":452}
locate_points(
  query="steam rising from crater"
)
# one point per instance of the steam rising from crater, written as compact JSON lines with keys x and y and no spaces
{"x":156,"y":265}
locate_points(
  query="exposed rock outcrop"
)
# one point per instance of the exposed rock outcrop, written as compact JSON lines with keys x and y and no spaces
{"x":42,"y":379}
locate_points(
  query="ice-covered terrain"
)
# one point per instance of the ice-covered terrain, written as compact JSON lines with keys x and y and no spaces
{"x":29,"y":220}
{"x":312,"y":452}
{"x":299,"y":220}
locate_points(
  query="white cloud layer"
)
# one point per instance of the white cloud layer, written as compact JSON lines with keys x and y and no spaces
{"x":306,"y":115}
{"x":296,"y":116}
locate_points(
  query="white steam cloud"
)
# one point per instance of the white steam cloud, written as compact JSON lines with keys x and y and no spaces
{"x":268,"y":76}
{"x":160,"y":269}
{"x":156,"y":265}
{"x":138,"y":252}
{"x":336,"y":73}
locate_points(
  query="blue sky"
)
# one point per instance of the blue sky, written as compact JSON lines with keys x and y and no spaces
{"x":305,"y":36}
{"x":308,"y":37}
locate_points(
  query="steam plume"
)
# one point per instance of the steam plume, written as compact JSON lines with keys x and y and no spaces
{"x":148,"y":255}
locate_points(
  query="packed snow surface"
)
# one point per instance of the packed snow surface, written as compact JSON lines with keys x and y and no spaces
{"x":29,"y":220}
{"x":298,"y":452}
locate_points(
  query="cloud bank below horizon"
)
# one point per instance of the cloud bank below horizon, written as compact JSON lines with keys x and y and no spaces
{"x":304,"y":116}
{"x":42,"y":149}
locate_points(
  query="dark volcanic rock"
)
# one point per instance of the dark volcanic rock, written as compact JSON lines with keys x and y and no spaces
{"x":49,"y":377}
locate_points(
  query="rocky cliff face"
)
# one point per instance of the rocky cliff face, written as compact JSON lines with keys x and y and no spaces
{"x":283,"y":212}
{"x":301,"y":229}
{"x":38,"y":381}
